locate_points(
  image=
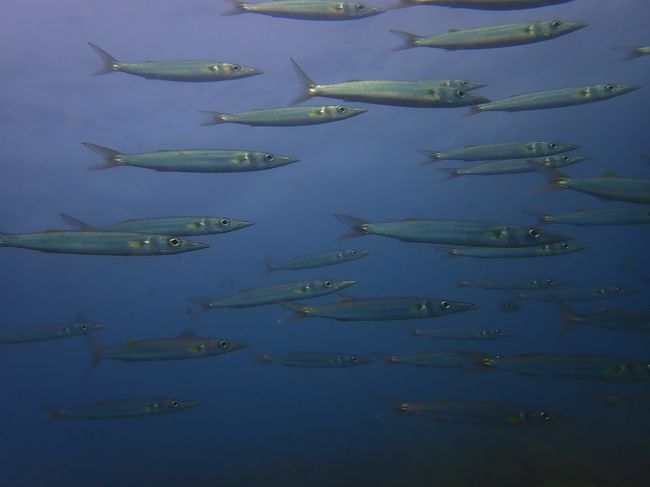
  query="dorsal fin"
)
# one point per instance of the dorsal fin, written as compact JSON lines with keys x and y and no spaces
{"x":75,"y":222}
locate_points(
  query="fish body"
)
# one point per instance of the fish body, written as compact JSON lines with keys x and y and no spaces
{"x":607,"y":216}
{"x":175,"y":225}
{"x":546,"y":250}
{"x":205,"y":161}
{"x":328,"y":360}
{"x":453,"y":360}
{"x":576,"y":293}
{"x":513,"y":166}
{"x":502,"y":151}
{"x":454,"y":232}
{"x":319,"y":259}
{"x":512,"y":283}
{"x":49,"y":332}
{"x":611,"y":319}
{"x":288,"y":291}
{"x":180,"y":70}
{"x":130,"y":408}
{"x":380,"y":309}
{"x":286,"y":116}
{"x":484,"y":4}
{"x":307,"y":9}
{"x":100,"y":243}
{"x":419,"y":94}
{"x":463,"y":333}
{"x":493,"y":36}
{"x":637,"y":52}
{"x":558,"y":98}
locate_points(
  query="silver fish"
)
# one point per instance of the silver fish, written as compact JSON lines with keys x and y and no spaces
{"x":483,"y":4}
{"x":129,"y":408}
{"x":25,"y":334}
{"x":307,"y":9}
{"x":501,"y":151}
{"x":318,"y":259}
{"x":512,"y":283}
{"x":286,"y":116}
{"x":453,"y":360}
{"x":605,"y":216}
{"x":611,"y":319}
{"x":576,"y":293}
{"x":327,"y":360}
{"x":512,"y":166}
{"x":559,"y":248}
{"x":463,"y":333}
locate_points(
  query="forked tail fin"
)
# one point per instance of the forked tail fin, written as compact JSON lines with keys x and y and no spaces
{"x":356,"y":224}
{"x":95,"y":352}
{"x":299,"y":311}
{"x":110,"y":64}
{"x":238,"y":7}
{"x":214,"y":118}
{"x":407,"y":37}
{"x":53,"y":411}
{"x":110,"y":156}
{"x":306,"y":82}
{"x":451,"y":172}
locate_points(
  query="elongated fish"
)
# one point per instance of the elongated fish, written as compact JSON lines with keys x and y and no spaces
{"x":129,"y":408}
{"x":480,"y":413}
{"x":463,"y":333}
{"x":49,"y":332}
{"x":572,"y":366}
{"x":605,"y":216}
{"x":186,"y":346}
{"x":588,"y":293}
{"x":307,"y":9}
{"x":166,"y":225}
{"x":609,"y":187}
{"x":272,"y":294}
{"x":636,"y":52}
{"x":319,"y":259}
{"x":511,"y":166}
{"x":181,"y":70}
{"x":419,"y":94}
{"x":504,"y":150}
{"x":483,"y":4}
{"x":379,"y":309}
{"x":452,"y":360}
{"x":512,"y":283}
{"x":502,"y":35}
{"x":611,"y":319}
{"x":458,"y":232}
{"x":100,"y":243}
{"x":546,"y":250}
{"x":558,"y":98}
{"x":210,"y":160}
{"x":329,"y":360}
{"x":286,"y":116}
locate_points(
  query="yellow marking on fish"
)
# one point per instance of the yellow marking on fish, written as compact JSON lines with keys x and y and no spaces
{"x":135,"y":244}
{"x":586,"y":92}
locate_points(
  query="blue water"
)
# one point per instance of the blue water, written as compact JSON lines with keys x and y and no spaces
{"x":267,"y":425}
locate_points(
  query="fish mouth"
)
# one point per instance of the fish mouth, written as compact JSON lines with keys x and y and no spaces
{"x":344,"y":284}
{"x":251,"y":71}
{"x":476,"y":100}
{"x":573,"y":26}
{"x":242,"y":224}
{"x":474,"y":85}
{"x":191,"y":246}
{"x":357,"y":111}
{"x":284,"y":160}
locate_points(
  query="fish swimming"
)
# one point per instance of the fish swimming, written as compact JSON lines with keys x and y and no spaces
{"x":512,"y":283}
{"x":100,"y":243}
{"x":504,"y":150}
{"x":611,"y":319}
{"x":379,"y":309}
{"x":453,"y":232}
{"x":418,"y":94}
{"x":307,"y":9}
{"x":557,"y":98}
{"x":286,"y":116}
{"x":452,"y":360}
{"x":493,"y":36}
{"x":203,"y":161}
{"x":319,"y":259}
{"x":463,"y":333}
{"x":80,"y":327}
{"x":512,"y":166}
{"x":130,"y":408}
{"x":273,"y":294}
{"x":182,"y":70}
{"x":483,"y":4}
{"x":636,"y":52}
{"x":546,"y":250}
{"x":604,"y":216}
{"x":576,"y":293}
{"x":328,"y":360}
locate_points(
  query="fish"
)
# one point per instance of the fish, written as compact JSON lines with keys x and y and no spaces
{"x":479,"y":413}
{"x":576,"y":293}
{"x":79,"y":327}
{"x":202,"y":70}
{"x":100,"y":243}
{"x":608,"y":187}
{"x":546,"y":250}
{"x":452,"y":360}
{"x":286,"y":116}
{"x":483,"y":4}
{"x":493,"y":36}
{"x":611,"y":319}
{"x":512,"y":166}
{"x":329,"y":360}
{"x":453,"y":232}
{"x":571,"y":366}
{"x":307,"y":9}
{"x":513,"y":283}
{"x":319,"y":259}
{"x":641,"y":400}
{"x":417,"y":94}
{"x":601,"y":216}
{"x":463,"y":333}
{"x":556,"y":98}
{"x":174,"y":225}
{"x":636,"y":52}
{"x":129,"y":408}
{"x":203,"y":161}
{"x":273,"y":294}
{"x":379,"y":309}
{"x":502,"y":151}
{"x":510,"y":306}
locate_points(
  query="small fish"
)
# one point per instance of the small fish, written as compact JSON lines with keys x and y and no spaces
{"x":204,"y":161}
{"x":329,"y":360}
{"x":418,"y":94}
{"x":546,"y":250}
{"x":273,"y":294}
{"x":483,"y":4}
{"x":379,"y":309}
{"x":611,"y":319}
{"x":510,"y":306}
{"x":453,"y":232}
{"x":25,"y":334}
{"x":605,"y":216}
{"x":493,"y":36}
{"x":307,"y":9}
{"x":100,"y":243}
{"x":174,"y":225}
{"x":286,"y":116}
{"x":512,"y":166}
{"x":463,"y":333}
{"x":452,"y":360}
{"x":557,"y":98}
{"x":576,"y":293}
{"x":513,"y":283}
{"x":130,"y":408}
{"x":319,"y":259}
{"x":501,"y":151}
{"x":636,"y":52}
{"x":185,"y":70}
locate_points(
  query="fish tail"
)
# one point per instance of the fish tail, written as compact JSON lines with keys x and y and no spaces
{"x":300,"y":311}
{"x":553,"y":176}
{"x":306,"y":82}
{"x":110,"y":64}
{"x":451,"y":172}
{"x":95,"y":353}
{"x":269,"y":268}
{"x":76,"y":224}
{"x":205,"y":304}
{"x":214,"y":118}
{"x":263,"y":358}
{"x":110,"y":156}
{"x":473,"y":111}
{"x":569,"y":316}
{"x":54,"y":411}
{"x":356,"y":224}
{"x":407,"y":37}
{"x":630,"y":53}
{"x":447,"y":252}
{"x":238,"y":7}
{"x":541,"y":217}
{"x":396,"y":406}
{"x":432,"y":155}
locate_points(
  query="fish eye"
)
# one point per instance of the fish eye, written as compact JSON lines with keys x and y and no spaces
{"x":483,"y":332}
{"x":553,"y":145}
{"x":223,"y":343}
{"x":354,"y":252}
{"x":174,"y":403}
{"x":341,"y":109}
{"x":328,"y":283}
{"x":235,"y":68}
{"x":565,"y":245}
{"x":464,"y":83}
{"x":497,"y":332}
{"x":84,"y":326}
{"x":610,"y":88}
{"x":354,"y":359}
{"x":460,"y":94}
{"x":174,"y":242}
{"x":549,"y":281}
{"x":565,"y":158}
{"x":445,"y":304}
{"x":404,"y":407}
{"x":533,"y":233}
{"x":224,"y":222}
{"x":360,"y":6}
{"x":269,"y":157}
{"x":556,"y":24}
{"x":544,"y":415}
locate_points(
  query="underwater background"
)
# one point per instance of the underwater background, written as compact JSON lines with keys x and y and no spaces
{"x":263,"y":424}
